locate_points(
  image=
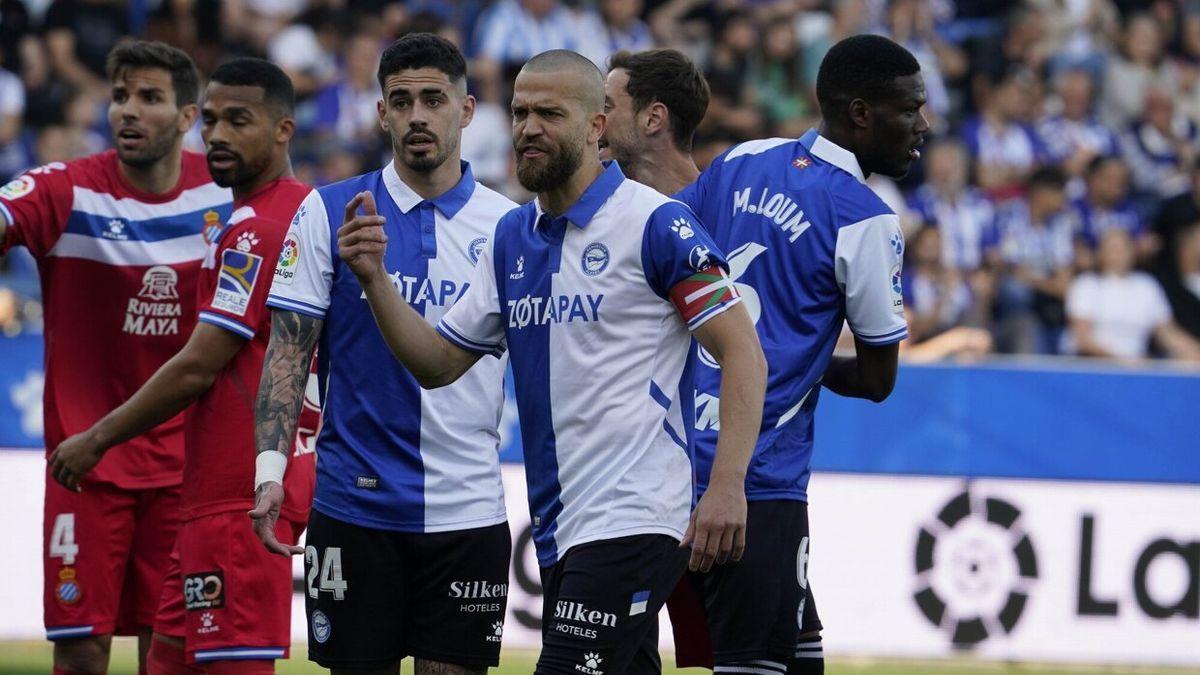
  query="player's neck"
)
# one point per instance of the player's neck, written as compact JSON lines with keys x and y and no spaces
{"x":843,"y":138}
{"x":431,"y":184}
{"x":279,"y":170}
{"x":158,"y":178}
{"x":557,"y":201}
{"x":667,"y":170}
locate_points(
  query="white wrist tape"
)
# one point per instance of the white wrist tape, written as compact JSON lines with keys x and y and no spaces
{"x":269,"y":467}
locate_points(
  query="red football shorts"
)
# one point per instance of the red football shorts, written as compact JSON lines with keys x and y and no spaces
{"x":105,"y":551}
{"x":225,"y":595}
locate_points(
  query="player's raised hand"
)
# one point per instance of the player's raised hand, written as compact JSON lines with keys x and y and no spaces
{"x":267,"y":500}
{"x":717,"y":531}
{"x":73,"y":459}
{"x":361,"y":239}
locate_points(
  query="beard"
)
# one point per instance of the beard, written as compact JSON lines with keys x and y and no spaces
{"x":423,"y":163}
{"x":239,"y":174}
{"x":550,"y":172}
{"x":152,"y":151}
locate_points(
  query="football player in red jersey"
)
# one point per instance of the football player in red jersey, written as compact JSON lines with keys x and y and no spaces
{"x":208,"y":618}
{"x":118,"y":239}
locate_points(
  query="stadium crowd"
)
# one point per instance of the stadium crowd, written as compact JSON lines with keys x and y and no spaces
{"x":1056,"y":209}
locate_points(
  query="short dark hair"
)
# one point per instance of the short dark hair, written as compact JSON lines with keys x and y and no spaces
{"x":142,"y":54}
{"x":861,"y":66}
{"x":669,"y":77}
{"x":422,"y":50}
{"x":1097,"y":163}
{"x":278,"y":91}
{"x":1048,"y":177}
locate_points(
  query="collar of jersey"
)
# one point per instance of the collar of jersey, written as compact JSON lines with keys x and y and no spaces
{"x":826,"y":150}
{"x":585,"y":208}
{"x":449,"y":202}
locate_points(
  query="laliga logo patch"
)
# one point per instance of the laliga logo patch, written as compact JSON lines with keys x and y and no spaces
{"x":289,"y":256}
{"x":897,"y":287}
{"x":18,"y":188}
{"x":320,"y":626}
{"x":67,"y":592}
{"x":475,"y":249}
{"x":595,"y":259}
{"x":975,"y":566}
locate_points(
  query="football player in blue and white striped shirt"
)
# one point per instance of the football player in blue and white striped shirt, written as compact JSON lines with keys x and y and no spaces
{"x":595,"y":289}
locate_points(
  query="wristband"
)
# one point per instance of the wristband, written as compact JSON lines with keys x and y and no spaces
{"x":269,"y":467}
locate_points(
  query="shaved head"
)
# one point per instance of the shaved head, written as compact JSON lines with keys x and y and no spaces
{"x":584,"y":83}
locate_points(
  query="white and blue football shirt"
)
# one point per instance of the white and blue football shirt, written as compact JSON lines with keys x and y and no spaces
{"x":810,"y":246}
{"x":594,"y":308}
{"x":391,"y":455}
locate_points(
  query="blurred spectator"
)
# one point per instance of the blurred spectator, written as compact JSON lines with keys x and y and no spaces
{"x":958,"y":210}
{"x":615,"y":25}
{"x":1138,"y":68}
{"x":1079,"y":32}
{"x":79,"y":34}
{"x":1004,"y":149}
{"x":1161,"y":147}
{"x":1105,"y":206}
{"x":305,"y":49}
{"x":346,"y":110}
{"x":511,"y":31}
{"x":15,"y":29}
{"x":911,"y":23}
{"x":1074,"y":136}
{"x":777,"y":84}
{"x":728,"y":73}
{"x":12,"y":108}
{"x":1032,"y":253}
{"x":1179,"y":275}
{"x":1116,"y":310}
{"x":937,"y":297}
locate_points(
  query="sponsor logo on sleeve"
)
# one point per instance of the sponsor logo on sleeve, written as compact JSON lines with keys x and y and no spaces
{"x":18,"y":188}
{"x":235,"y":281}
{"x":683,"y":228}
{"x":289,"y":259}
{"x":204,"y":590}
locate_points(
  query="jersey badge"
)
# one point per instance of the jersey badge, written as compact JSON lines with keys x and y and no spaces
{"x":246,"y":241}
{"x":115,"y":230}
{"x":898,"y":244}
{"x":595,"y":259}
{"x":520,"y":273}
{"x":18,"y":188}
{"x":475,"y":249}
{"x":681,"y":227}
{"x":68,"y":591}
{"x":158,"y":283}
{"x":212,"y":226}
{"x":289,"y":258}
{"x":897,"y":288}
{"x":235,"y":281}
{"x":802,"y":162}
{"x":320,"y":626}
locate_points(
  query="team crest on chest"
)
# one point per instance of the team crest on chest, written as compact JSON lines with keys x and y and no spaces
{"x":595,"y":259}
{"x":475,"y":249}
{"x":212,"y":226}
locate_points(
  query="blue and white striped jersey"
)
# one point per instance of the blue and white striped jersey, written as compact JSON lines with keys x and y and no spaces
{"x":391,"y":455}
{"x":809,"y":246}
{"x":589,"y":306}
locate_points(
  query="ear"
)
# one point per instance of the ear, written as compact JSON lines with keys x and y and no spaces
{"x":596,"y":128}
{"x":657,"y":118}
{"x":860,"y":113}
{"x":468,"y":111}
{"x":187,"y":117}
{"x":284,"y":130}
{"x":383,"y":121}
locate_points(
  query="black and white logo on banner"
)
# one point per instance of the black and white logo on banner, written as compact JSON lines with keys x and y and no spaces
{"x":975,"y":566}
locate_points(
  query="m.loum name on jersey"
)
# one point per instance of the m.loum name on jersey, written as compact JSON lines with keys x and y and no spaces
{"x":777,"y":207}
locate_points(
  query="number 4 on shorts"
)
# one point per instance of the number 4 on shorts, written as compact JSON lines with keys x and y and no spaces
{"x":330,"y":580}
{"x":62,"y":539}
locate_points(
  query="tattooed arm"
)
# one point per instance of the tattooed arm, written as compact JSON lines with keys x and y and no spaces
{"x":280,"y":396}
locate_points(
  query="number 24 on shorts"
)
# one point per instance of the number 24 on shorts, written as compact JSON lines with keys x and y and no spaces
{"x":330,"y":579}
{"x":62,"y":539}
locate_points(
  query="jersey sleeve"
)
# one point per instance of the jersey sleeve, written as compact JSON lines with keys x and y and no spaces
{"x":475,"y":323}
{"x":867,"y":266}
{"x":34,"y":208}
{"x":304,"y":271}
{"x":244,"y":261}
{"x":684,"y":265}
